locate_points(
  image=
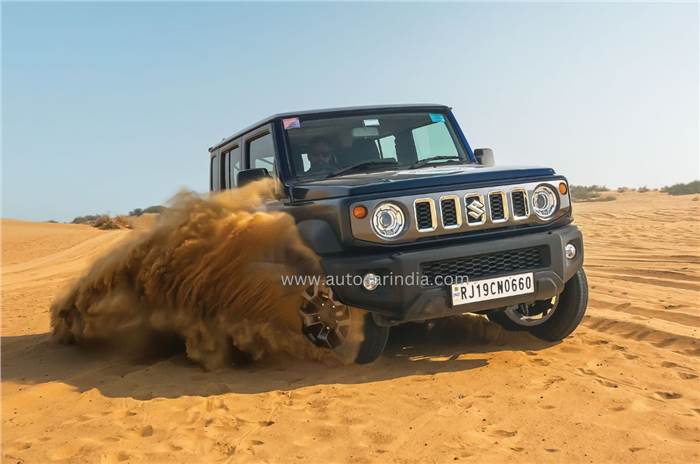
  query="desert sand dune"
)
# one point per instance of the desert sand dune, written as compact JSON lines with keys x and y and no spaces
{"x":623,"y":388}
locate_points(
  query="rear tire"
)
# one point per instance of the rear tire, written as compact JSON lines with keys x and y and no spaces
{"x":570,"y":309}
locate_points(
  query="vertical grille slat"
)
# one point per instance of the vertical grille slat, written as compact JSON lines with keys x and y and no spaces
{"x":498,"y":212}
{"x":448,"y":208}
{"x":424,"y":216}
{"x":519,"y":204}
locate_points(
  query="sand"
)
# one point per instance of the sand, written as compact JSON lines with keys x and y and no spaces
{"x":624,"y":387}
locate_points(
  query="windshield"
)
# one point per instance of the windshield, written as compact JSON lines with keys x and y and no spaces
{"x":320,"y":147}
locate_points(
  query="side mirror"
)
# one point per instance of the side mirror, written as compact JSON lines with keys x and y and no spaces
{"x":485,"y":156}
{"x":251,"y":175}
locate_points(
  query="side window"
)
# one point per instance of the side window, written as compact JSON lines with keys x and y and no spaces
{"x":433,"y":140}
{"x":261,"y":153}
{"x":215,"y":173}
{"x":234,"y":165}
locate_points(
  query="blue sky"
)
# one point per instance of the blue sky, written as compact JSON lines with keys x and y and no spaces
{"x":109,"y":107}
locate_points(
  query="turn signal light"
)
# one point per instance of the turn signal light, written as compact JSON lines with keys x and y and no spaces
{"x":360,"y":212}
{"x":563,"y":188}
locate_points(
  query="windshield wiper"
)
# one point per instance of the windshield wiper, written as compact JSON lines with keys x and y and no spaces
{"x":427,"y":161}
{"x":363,"y":165}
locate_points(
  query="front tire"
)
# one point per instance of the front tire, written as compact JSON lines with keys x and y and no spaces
{"x":374,"y":341}
{"x":569,"y":309}
{"x":351,"y":333}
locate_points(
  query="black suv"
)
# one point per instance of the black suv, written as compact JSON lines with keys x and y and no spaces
{"x":412,"y":224}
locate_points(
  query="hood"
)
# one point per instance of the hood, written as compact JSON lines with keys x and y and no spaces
{"x":408,"y":179}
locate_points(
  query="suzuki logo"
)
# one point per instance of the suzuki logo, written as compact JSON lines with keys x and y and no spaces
{"x":475,"y":209}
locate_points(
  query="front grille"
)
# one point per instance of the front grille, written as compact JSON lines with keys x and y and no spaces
{"x":498,"y":212}
{"x":448,"y":208}
{"x":519,"y":204}
{"x":424,"y":215}
{"x":491,"y":264}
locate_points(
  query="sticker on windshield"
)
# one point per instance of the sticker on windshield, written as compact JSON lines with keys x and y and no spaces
{"x":291,"y":123}
{"x":371,"y":122}
{"x":435,"y":117}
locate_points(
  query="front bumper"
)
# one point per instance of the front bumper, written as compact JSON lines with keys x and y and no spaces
{"x":413,"y":302}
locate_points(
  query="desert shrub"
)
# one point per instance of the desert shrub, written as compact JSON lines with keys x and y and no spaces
{"x":105,"y":222}
{"x":623,"y":189}
{"x":643,"y":189}
{"x":87,"y":219}
{"x":590,"y":188}
{"x":586,"y":192}
{"x":688,"y":188}
{"x":155,"y":209}
{"x":606,"y":198}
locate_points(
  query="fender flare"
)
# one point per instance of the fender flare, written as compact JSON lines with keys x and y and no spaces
{"x":319,"y":235}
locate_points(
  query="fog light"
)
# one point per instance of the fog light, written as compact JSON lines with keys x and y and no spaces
{"x":570,"y":251}
{"x":371,"y":281}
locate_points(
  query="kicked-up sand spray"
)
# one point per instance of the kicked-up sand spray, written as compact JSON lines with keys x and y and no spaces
{"x":208,"y":273}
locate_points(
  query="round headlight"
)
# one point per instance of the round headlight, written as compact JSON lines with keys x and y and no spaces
{"x":544,"y":202}
{"x":388,"y":221}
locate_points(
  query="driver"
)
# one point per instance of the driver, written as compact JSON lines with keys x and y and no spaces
{"x":321,"y":157}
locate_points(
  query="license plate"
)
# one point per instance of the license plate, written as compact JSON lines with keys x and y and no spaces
{"x":491,"y":289}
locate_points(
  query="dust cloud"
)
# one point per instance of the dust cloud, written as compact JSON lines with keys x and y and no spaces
{"x":206,"y":273}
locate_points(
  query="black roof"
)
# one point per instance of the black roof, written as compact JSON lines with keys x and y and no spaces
{"x":349,"y":110}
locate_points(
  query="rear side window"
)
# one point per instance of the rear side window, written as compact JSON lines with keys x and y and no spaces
{"x":232,"y":165}
{"x":261,"y":153}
